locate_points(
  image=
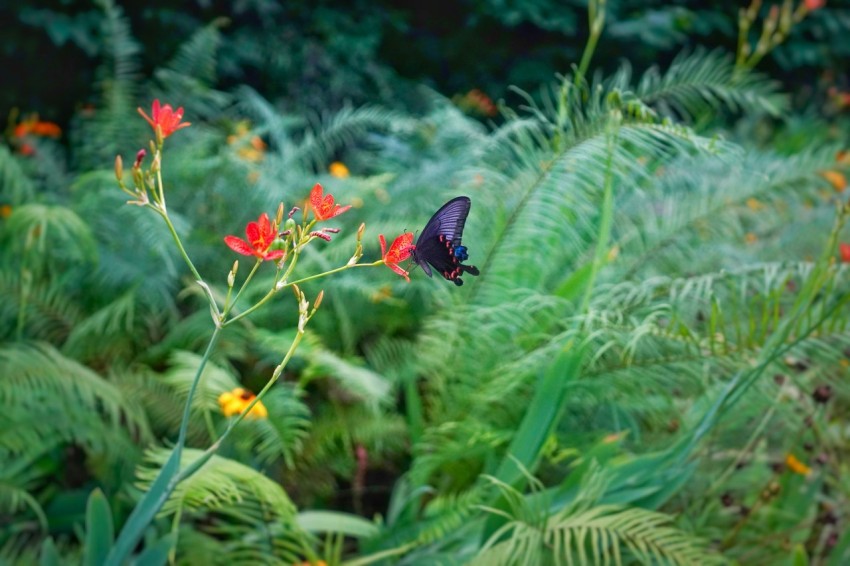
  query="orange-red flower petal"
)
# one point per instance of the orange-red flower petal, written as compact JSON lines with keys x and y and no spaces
{"x":166,"y":118}
{"x":323,"y":206}
{"x":399,"y":251}
{"x":261,"y":235}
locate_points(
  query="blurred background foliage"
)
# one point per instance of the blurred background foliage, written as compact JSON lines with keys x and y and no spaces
{"x":671,"y":220}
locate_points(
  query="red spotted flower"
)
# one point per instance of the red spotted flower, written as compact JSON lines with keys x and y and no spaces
{"x":166,"y":118}
{"x":399,"y":251}
{"x":261,"y":234}
{"x":323,"y":206}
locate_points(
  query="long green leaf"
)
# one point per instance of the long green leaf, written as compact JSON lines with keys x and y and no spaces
{"x":145,"y":511}
{"x":100,"y":531}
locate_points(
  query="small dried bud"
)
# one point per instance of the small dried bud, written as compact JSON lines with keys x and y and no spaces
{"x":279,"y":216}
{"x":140,"y":155}
{"x":293,"y":211}
{"x":321,"y":235}
{"x":822,"y":394}
{"x":119,"y":168}
{"x":319,"y":298}
{"x":360,"y":231}
{"x":331,"y":230}
{"x":284,"y":234}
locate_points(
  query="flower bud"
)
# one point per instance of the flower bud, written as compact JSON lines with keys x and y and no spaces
{"x":360,"y":231}
{"x":319,"y":298}
{"x":140,"y":155}
{"x":119,"y":168}
{"x":279,"y":217}
{"x":289,"y":226}
{"x":231,"y":277}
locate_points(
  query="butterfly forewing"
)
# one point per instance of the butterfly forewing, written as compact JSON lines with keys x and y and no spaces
{"x":440,"y":245}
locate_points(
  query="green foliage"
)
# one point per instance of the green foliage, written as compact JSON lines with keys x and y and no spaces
{"x":657,"y":307}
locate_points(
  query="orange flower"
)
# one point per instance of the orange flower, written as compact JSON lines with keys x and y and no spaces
{"x":812,"y":5}
{"x":37,"y":128}
{"x":323,"y":206}
{"x":261,"y":235}
{"x":5,"y":211}
{"x":836,"y":179}
{"x":339,"y":170}
{"x":797,"y":466}
{"x":165,"y":118}
{"x":234,"y":402}
{"x":399,"y":251}
{"x":844,"y":252}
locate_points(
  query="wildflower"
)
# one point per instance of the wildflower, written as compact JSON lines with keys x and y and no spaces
{"x":754,"y":204}
{"x":323,"y":206}
{"x":339,"y":170}
{"x":399,"y":251}
{"x":254,"y":152}
{"x":261,"y":235}
{"x":164,"y":118}
{"x":797,"y":466}
{"x":751,"y":238}
{"x":812,"y":5}
{"x":5,"y":211}
{"x":34,"y":126}
{"x":836,"y":179}
{"x":234,"y":402}
{"x":844,"y":252}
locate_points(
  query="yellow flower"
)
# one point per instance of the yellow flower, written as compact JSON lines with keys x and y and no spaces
{"x":234,"y":402}
{"x":751,"y":238}
{"x":5,"y":211}
{"x":754,"y":204}
{"x":836,"y":179}
{"x":339,"y":170}
{"x":797,"y":466}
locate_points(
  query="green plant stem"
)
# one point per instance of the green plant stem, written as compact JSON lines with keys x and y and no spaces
{"x":209,"y":452}
{"x":227,"y":304}
{"x":337,"y":270}
{"x":177,"y":241}
{"x":184,"y":424}
{"x":596,"y":15}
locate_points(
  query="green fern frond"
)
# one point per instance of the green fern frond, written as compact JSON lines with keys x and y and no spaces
{"x":15,"y":185}
{"x":599,"y":535}
{"x":221,"y":485}
{"x":700,"y":83}
{"x":41,"y":382}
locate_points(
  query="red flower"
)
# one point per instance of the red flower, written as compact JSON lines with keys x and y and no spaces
{"x":812,"y":5}
{"x":399,"y":251}
{"x":261,"y":234}
{"x":844,"y":252}
{"x":323,"y":206}
{"x":165,"y":117}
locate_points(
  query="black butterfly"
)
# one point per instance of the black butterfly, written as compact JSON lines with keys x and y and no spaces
{"x":440,"y":242}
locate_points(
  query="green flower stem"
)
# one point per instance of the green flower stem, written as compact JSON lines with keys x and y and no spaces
{"x":177,"y":241}
{"x":596,"y":16}
{"x":269,"y":295}
{"x":337,"y":270}
{"x":209,"y":452}
{"x":227,"y":304}
{"x":184,"y":424}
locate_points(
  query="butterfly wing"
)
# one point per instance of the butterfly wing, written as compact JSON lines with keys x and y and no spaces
{"x":440,"y":243}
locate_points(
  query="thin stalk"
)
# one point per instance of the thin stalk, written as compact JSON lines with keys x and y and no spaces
{"x":596,"y":16}
{"x":227,"y":304}
{"x":337,"y":270}
{"x":184,"y":424}
{"x":180,"y":247}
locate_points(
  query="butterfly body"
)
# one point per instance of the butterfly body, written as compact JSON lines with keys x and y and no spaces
{"x":439,"y":245}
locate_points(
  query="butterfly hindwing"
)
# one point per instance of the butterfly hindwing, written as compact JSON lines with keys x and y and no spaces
{"x":440,"y":243}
